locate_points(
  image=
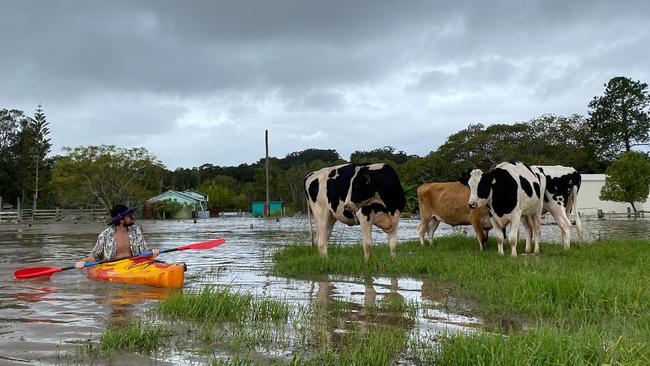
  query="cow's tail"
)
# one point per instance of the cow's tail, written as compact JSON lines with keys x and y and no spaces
{"x":579,"y":227}
{"x":425,"y":222}
{"x":311,"y":229}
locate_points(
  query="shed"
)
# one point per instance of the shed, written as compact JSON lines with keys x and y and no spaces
{"x":589,"y":201}
{"x":257,"y":208}
{"x":195,"y":203}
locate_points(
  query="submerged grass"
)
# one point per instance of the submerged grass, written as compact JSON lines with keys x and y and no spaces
{"x":135,"y":337}
{"x":222,"y":304}
{"x":589,"y":304}
{"x":374,"y":346}
{"x":394,"y":304}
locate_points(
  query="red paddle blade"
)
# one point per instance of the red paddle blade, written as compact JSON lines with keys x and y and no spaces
{"x":36,"y":272}
{"x":205,"y":245}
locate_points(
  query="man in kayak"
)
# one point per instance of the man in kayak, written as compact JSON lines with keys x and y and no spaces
{"x":120,"y":240}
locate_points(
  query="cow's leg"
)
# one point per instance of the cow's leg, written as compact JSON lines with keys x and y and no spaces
{"x":485,"y":239}
{"x":500,"y":234}
{"x":487,"y":225}
{"x":392,"y":235}
{"x":529,"y":226}
{"x":366,"y":235}
{"x":515,"y":220}
{"x":432,"y":229}
{"x":424,"y":227}
{"x":565,"y":226}
{"x":537,"y":225}
{"x":572,"y":205}
{"x":481,"y":236}
{"x":324,"y":228}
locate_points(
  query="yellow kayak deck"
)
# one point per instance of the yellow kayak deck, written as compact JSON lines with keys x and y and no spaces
{"x":140,"y":271}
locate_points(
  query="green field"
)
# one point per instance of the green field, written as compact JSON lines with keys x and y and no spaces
{"x":588,"y":305}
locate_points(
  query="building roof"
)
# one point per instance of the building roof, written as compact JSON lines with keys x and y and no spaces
{"x":180,"y":195}
{"x":593,"y":177}
{"x":196,"y":194}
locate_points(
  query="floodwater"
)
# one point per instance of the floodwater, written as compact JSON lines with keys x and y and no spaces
{"x":44,"y":319}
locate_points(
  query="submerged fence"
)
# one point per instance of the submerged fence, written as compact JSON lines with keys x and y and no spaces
{"x":57,"y":214}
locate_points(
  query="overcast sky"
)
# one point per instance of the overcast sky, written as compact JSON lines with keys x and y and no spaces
{"x":199,"y":81}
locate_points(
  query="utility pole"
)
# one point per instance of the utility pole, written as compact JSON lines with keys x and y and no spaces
{"x":267,"y":207}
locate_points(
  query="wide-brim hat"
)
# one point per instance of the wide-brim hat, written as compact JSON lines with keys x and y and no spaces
{"x":119,"y":212}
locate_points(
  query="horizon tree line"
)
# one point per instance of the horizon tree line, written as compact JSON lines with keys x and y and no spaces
{"x":618,"y":121}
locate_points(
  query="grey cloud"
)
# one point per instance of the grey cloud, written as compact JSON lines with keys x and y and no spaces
{"x":345,"y":69}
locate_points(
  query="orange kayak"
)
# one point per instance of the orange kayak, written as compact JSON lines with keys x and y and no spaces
{"x":140,"y":271}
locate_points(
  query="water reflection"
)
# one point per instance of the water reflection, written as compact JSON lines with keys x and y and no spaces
{"x":337,"y":315}
{"x":122,"y":299}
{"x":346,"y":305}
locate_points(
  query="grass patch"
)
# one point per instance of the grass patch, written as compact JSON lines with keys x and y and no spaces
{"x":589,"y":304}
{"x":133,"y":337}
{"x":222,"y":304}
{"x":542,"y":346}
{"x":395,"y":304}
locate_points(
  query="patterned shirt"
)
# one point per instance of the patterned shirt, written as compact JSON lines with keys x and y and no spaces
{"x":105,"y":249}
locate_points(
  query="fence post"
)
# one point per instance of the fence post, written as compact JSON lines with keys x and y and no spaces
{"x":57,"y":217}
{"x":19,"y":211}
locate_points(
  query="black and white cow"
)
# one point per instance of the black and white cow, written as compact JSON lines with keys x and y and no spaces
{"x":560,"y":198}
{"x":512,"y":191}
{"x":355,"y":194}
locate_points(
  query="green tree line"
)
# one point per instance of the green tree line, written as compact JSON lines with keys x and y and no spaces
{"x":618,"y":121}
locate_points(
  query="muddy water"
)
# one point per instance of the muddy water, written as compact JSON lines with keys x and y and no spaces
{"x":42,"y":320}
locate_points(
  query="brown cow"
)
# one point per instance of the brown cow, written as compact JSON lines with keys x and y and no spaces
{"x":447,"y":202}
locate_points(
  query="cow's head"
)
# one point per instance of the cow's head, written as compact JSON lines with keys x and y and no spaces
{"x":362,"y":191}
{"x":464,"y":177}
{"x":480,"y":188}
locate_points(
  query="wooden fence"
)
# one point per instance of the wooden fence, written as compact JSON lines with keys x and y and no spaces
{"x":57,"y":214}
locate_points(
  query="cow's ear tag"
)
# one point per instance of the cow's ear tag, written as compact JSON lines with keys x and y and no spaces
{"x":494,"y":180}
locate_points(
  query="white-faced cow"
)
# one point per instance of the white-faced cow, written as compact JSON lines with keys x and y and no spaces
{"x":560,"y":197}
{"x":355,"y":194}
{"x":512,"y":191}
{"x":447,"y":202}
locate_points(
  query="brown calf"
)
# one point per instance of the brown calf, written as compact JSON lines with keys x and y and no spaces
{"x":447,"y":202}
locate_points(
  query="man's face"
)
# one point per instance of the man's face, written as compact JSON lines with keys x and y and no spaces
{"x":128,"y":220}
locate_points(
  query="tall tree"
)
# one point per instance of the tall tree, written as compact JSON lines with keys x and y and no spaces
{"x":11,"y":123}
{"x":307,"y":156}
{"x":380,"y":155}
{"x":627,"y":179}
{"x":40,"y":148}
{"x":30,"y":149}
{"x":620,"y":119}
{"x":106,"y":175}
{"x":221,"y":191}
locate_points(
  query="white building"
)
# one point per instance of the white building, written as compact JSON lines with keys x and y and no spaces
{"x":589,"y":202}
